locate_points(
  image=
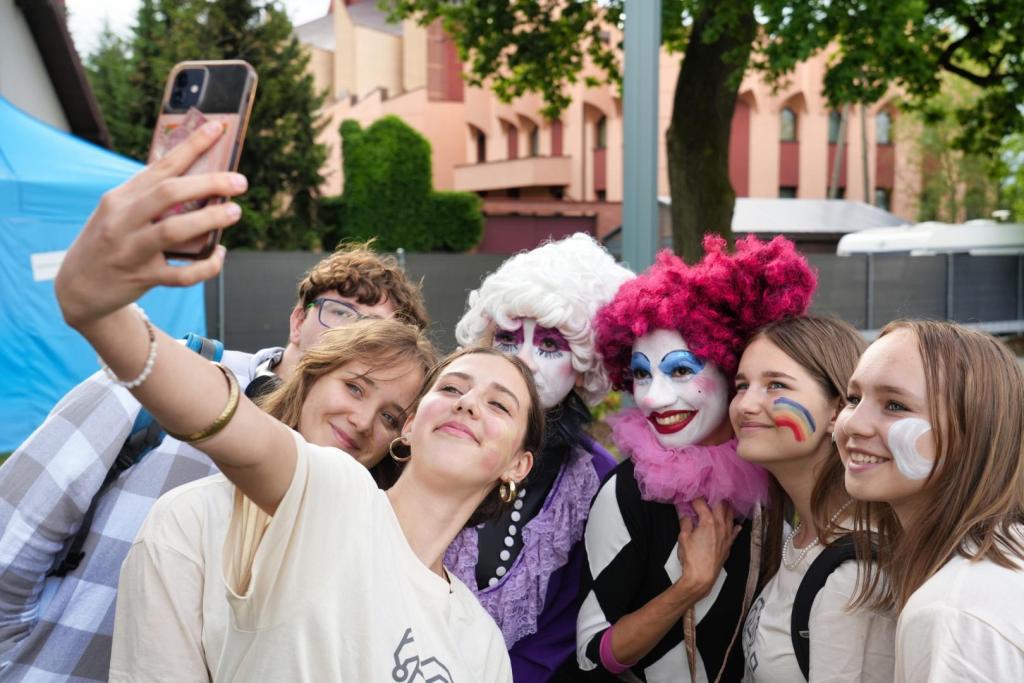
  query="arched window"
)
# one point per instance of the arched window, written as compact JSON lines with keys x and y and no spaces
{"x":883,"y":128}
{"x":835,"y":120}
{"x":787,"y":132}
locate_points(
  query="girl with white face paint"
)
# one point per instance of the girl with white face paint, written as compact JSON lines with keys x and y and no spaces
{"x":661,"y":560}
{"x":525,"y":565}
{"x":931,"y":440}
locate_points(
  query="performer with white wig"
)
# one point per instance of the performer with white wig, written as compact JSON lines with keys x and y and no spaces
{"x":525,"y":566}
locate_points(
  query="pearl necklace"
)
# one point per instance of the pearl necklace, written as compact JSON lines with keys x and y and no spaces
{"x":793,"y":564}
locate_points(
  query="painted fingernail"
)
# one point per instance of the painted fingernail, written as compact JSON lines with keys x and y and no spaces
{"x":212,"y":128}
{"x":239,"y":181}
{"x":234,"y":210}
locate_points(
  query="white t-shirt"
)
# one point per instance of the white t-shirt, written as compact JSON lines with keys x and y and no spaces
{"x":329,"y":590}
{"x":846,"y":646}
{"x":172,"y":612}
{"x":964,"y":624}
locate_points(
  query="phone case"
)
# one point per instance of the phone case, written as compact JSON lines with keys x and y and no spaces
{"x":226,"y":94}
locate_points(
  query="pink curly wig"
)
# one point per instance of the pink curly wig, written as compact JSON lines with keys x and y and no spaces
{"x":715,"y":305}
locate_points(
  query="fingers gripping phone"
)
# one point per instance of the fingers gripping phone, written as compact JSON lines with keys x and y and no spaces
{"x":198,"y":92}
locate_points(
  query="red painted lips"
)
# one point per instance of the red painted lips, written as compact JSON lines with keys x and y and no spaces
{"x":671,"y":421}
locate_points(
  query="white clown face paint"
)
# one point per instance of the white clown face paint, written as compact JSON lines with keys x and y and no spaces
{"x":685,"y":399}
{"x":546,"y":352}
{"x":902,"y":442}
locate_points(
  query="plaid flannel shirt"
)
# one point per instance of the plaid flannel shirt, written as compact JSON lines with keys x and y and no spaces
{"x":60,"y":628}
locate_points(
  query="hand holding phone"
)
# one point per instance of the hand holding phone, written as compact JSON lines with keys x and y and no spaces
{"x":198,"y":92}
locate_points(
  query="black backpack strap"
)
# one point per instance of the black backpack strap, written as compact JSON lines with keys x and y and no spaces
{"x":146,"y":434}
{"x":838,"y":552}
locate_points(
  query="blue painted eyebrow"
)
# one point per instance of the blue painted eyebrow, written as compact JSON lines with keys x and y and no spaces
{"x":676,"y":359}
{"x":640,"y":362}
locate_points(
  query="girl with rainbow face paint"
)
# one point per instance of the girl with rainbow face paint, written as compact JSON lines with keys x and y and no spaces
{"x":789,"y":391}
{"x":662,"y":561}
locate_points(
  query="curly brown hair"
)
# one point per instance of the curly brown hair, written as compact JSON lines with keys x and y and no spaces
{"x":355,"y":270}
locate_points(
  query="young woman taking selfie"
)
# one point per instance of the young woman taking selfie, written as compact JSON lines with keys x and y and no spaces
{"x":328,"y":577}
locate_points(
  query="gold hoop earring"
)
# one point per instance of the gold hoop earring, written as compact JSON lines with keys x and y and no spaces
{"x":391,"y":450}
{"x":507,"y":491}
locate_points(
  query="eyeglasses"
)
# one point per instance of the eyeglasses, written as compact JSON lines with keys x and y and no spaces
{"x":333,"y":313}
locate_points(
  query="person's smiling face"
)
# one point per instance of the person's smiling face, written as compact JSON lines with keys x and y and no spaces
{"x":360,"y":409}
{"x":685,"y":399}
{"x":470,"y":425}
{"x":884,"y":433}
{"x":780,"y":412}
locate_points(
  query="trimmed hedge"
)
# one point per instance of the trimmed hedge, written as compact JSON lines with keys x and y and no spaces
{"x":389,"y":194}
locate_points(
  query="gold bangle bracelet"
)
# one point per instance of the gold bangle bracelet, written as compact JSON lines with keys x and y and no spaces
{"x":222,"y":420}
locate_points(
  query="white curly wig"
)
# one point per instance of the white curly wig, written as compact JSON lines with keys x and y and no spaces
{"x":560,"y":284}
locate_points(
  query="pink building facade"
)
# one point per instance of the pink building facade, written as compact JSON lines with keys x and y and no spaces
{"x":783,"y":144}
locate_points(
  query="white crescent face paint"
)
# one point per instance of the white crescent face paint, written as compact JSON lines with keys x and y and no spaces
{"x":902,"y":442}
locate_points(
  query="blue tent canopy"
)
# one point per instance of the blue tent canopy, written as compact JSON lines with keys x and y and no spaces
{"x":50,"y":182}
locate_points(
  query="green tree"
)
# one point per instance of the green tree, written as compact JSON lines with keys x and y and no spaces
{"x":389,"y":193}
{"x":282,"y":158}
{"x":520,"y":46}
{"x":956,"y":184}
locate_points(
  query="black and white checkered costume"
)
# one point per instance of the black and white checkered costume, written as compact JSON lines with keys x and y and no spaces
{"x":631,"y":558}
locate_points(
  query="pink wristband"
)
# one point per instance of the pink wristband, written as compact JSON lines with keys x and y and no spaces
{"x":608,"y":660}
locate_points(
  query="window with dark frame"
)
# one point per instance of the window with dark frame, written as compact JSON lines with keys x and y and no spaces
{"x":787,"y":127}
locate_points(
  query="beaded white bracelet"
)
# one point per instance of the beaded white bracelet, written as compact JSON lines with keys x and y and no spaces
{"x":150,"y":359}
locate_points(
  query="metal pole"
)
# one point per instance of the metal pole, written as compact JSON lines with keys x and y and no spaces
{"x":869,"y":312}
{"x":949,"y":287}
{"x":640,"y":127}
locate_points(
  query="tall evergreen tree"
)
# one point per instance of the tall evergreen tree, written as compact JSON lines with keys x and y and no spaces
{"x":281,"y":157}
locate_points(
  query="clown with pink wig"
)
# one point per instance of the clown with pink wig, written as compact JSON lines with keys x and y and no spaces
{"x":669,"y":568}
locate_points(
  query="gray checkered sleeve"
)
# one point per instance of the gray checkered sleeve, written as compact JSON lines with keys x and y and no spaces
{"x":45,"y":489}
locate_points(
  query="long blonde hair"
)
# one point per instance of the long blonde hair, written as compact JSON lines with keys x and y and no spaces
{"x":376,"y":344}
{"x":976,"y":491}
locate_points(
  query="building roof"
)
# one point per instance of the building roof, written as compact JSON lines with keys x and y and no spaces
{"x":319,"y":33}
{"x":46,"y":22}
{"x":368,"y":15}
{"x":823,"y":216}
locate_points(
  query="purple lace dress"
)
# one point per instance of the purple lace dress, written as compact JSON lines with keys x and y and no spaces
{"x":535,"y":600}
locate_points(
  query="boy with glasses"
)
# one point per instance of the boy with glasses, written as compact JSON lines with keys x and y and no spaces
{"x":59,"y":627}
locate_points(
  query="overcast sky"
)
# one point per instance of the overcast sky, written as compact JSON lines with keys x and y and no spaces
{"x":86,"y":17}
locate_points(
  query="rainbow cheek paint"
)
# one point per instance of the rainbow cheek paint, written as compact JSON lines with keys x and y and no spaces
{"x":789,"y":414}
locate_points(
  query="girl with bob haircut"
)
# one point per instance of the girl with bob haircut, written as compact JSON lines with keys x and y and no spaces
{"x":327,"y":577}
{"x":790,"y":386}
{"x":525,"y":565}
{"x":172,"y":617}
{"x":665,"y":587}
{"x":932,"y":441}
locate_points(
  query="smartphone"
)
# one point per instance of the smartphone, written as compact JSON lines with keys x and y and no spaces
{"x":198,"y":92}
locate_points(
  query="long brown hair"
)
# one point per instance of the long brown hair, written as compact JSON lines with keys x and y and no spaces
{"x":377,"y":344}
{"x":975,"y":496}
{"x":533,"y":436}
{"x":828,"y":349}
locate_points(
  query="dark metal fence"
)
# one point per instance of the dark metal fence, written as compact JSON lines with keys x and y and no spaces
{"x":251,"y":310}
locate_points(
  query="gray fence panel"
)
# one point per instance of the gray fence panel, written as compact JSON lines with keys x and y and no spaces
{"x":842,"y":283}
{"x":260,"y":287}
{"x":985,"y":288}
{"x":447,"y":281}
{"x":908,"y":287}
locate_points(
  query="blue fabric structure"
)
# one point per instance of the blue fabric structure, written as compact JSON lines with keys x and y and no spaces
{"x":50,"y":182}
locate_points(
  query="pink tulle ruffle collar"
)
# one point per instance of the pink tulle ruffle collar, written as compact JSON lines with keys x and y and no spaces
{"x":680,"y":475}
